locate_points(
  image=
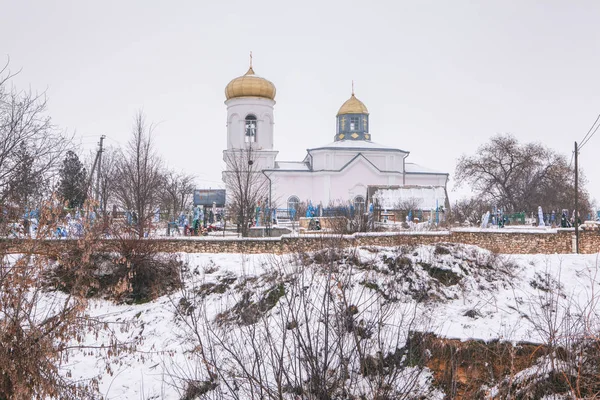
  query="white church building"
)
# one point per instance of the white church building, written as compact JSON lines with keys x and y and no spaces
{"x":335,"y":172}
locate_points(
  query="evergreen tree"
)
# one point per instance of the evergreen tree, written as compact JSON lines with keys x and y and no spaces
{"x":72,"y":185}
{"x":25,"y":185}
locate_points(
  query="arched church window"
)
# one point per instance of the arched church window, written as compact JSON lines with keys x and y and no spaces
{"x":354,"y":123}
{"x":250,"y":128}
{"x":359,"y":204}
{"x":293,"y":203}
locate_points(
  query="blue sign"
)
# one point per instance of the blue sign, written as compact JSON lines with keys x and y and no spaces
{"x":206,"y":197}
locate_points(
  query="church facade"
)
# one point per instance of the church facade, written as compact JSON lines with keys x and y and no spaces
{"x":339,"y":171}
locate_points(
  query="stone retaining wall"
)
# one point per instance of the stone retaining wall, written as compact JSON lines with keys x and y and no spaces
{"x":325,"y":222}
{"x":560,"y":241}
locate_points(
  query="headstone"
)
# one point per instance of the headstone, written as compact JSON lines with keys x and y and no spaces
{"x":540,"y":217}
{"x":485,"y":220}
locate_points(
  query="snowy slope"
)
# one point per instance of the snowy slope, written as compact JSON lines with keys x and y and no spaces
{"x":456,"y":291}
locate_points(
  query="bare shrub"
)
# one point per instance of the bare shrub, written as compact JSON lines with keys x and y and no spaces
{"x":469,"y":211}
{"x":568,"y":327}
{"x":408,"y":204}
{"x":313,"y":333}
{"x":38,"y":328}
{"x":149,"y":273}
{"x":127,"y":269}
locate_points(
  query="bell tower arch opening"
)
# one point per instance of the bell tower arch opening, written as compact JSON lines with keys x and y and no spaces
{"x":250,"y":129}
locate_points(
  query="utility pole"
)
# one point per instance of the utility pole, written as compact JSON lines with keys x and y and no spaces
{"x":576,"y":199}
{"x":99,"y":168}
{"x":88,"y":186}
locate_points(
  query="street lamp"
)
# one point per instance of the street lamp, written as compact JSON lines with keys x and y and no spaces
{"x":270,"y":211}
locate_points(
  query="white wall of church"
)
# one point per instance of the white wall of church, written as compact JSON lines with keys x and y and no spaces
{"x":336,"y":160}
{"x":287,"y":184}
{"x":328,"y":187}
{"x":334,"y":187}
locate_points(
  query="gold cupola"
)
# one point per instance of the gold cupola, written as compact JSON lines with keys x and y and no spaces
{"x":353,"y":106}
{"x":250,"y":85}
{"x":352,"y":120}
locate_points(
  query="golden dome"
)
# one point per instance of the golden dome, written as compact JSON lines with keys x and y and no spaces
{"x":353,"y":106}
{"x":250,"y":85}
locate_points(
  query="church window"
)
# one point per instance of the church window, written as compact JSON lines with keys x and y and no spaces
{"x":293,"y":203}
{"x":354,"y":123}
{"x":250,"y":128}
{"x":359,"y":204}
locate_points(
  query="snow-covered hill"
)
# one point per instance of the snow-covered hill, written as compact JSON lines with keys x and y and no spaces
{"x":350,"y":313}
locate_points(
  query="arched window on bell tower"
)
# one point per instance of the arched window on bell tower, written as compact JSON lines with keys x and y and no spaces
{"x":250,"y":134}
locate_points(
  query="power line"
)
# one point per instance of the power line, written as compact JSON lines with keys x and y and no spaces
{"x":592,"y":127}
{"x":114,"y":140}
{"x":588,"y":139}
{"x":589,"y":134}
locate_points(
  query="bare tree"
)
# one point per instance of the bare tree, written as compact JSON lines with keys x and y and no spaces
{"x":408,"y":204}
{"x":469,"y":210}
{"x":520,"y":177}
{"x":246,"y":185}
{"x":138,"y":179}
{"x":108,"y":176}
{"x":178,"y":191}
{"x":31,"y":148}
{"x":42,"y":321}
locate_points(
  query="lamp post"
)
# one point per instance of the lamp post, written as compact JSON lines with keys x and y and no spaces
{"x":270,"y":211}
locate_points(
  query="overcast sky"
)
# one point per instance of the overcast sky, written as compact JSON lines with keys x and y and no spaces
{"x":439,"y":77}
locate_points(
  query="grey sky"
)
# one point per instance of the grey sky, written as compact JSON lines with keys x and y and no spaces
{"x":439,"y":77}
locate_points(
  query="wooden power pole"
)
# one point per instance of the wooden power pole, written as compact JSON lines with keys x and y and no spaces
{"x":99,"y":168}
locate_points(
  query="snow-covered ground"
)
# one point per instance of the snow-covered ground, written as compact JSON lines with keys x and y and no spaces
{"x":456,"y":291}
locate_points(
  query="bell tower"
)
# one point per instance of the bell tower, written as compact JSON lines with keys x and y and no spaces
{"x":250,"y":100}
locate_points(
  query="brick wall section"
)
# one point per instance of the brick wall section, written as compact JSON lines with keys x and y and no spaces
{"x":518,"y":243}
{"x":326,"y":223}
{"x":500,"y":242}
